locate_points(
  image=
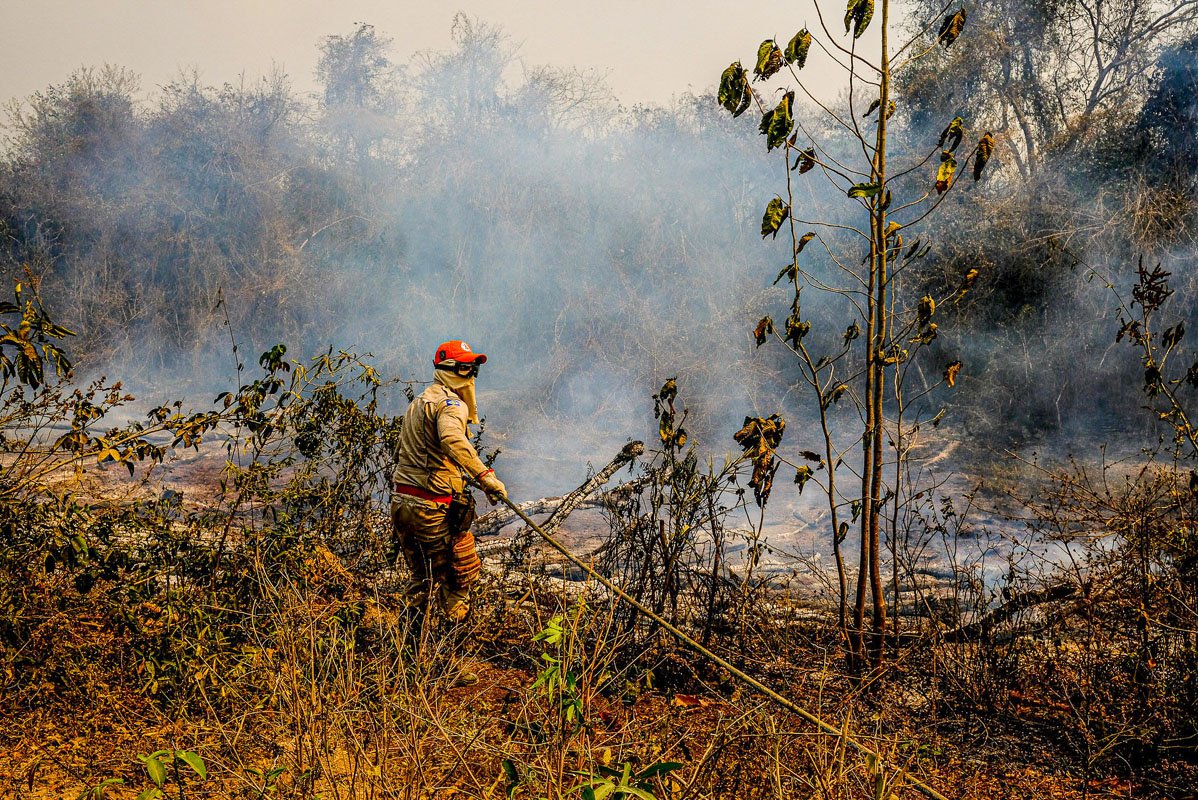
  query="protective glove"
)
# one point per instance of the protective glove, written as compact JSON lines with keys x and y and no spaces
{"x":492,"y":486}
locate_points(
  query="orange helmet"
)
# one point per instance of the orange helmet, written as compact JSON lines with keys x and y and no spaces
{"x":457,"y":352}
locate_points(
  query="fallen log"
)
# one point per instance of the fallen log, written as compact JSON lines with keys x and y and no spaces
{"x":981,"y":629}
{"x":561,"y":507}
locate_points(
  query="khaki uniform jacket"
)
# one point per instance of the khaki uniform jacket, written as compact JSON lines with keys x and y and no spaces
{"x":434,"y":447}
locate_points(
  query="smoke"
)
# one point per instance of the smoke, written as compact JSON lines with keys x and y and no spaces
{"x":591,"y":250}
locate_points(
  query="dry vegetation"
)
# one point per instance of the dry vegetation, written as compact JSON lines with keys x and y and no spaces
{"x":240,"y":640}
{"x":199,"y":604}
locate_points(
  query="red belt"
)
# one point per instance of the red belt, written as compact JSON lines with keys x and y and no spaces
{"x":423,"y":494}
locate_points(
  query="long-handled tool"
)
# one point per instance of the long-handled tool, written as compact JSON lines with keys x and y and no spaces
{"x":740,"y":675}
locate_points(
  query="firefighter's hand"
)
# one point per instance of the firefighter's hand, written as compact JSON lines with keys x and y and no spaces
{"x":492,"y":486}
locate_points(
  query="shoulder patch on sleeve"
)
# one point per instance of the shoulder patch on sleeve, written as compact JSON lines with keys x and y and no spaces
{"x":452,"y":402}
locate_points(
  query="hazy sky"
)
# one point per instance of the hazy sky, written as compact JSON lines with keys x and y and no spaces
{"x":650,"y":50}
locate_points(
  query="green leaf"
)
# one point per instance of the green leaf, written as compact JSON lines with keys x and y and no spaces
{"x":796,"y":51}
{"x":156,"y":770}
{"x":778,"y":123}
{"x":858,"y":16}
{"x":153,"y":793}
{"x":658,"y":769}
{"x":194,"y":761}
{"x":863,"y":190}
{"x":769,"y":60}
{"x":775,"y":214}
{"x":735,"y":93}
{"x":951,"y":28}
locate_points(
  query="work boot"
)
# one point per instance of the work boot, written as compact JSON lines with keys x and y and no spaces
{"x":414,"y":594}
{"x":455,"y":603}
{"x":464,"y":676}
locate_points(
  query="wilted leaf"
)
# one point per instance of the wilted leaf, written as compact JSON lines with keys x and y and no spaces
{"x":950,"y":373}
{"x":769,"y":60}
{"x":1172,"y":336}
{"x":811,"y":455}
{"x":985,"y":150}
{"x":1152,"y":380}
{"x":669,"y":390}
{"x":790,"y":271}
{"x":802,"y":475}
{"x":777,"y":123}
{"x":806,"y":161}
{"x":951,"y":28}
{"x":928,"y":334}
{"x":775,"y":214}
{"x":796,"y":329}
{"x":851,"y":333}
{"x":796,"y":51}
{"x":691,"y":701}
{"x":927,"y":307}
{"x":838,"y":392}
{"x":1152,"y":287}
{"x":842,"y":532}
{"x":891,"y":107}
{"x":944,"y":175}
{"x":765,"y":326}
{"x":855,"y":509}
{"x":759,"y":437}
{"x":803,"y":240}
{"x":735,"y":93}
{"x":953,"y":134}
{"x":862,"y":190}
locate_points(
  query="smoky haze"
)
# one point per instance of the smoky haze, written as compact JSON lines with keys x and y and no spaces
{"x":591,"y":250}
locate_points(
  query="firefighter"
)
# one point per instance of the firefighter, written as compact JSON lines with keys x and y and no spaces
{"x":431,"y":505}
